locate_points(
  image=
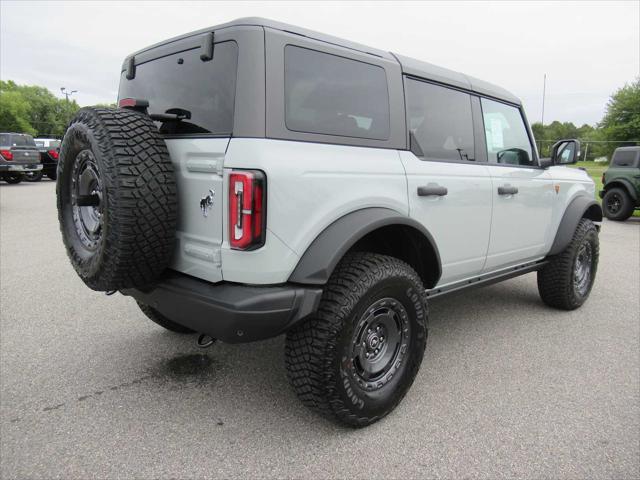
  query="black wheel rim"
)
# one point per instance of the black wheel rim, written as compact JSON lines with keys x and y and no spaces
{"x":582,"y":269}
{"x":614,"y":202}
{"x":86,"y":199}
{"x":379,"y":343}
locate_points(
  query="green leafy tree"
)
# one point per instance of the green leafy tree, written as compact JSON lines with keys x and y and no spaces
{"x":33,"y":109}
{"x":14,"y":113}
{"x":621,"y":121}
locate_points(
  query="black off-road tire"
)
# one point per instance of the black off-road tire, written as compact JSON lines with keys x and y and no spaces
{"x":13,"y":178}
{"x":557,"y":279}
{"x":126,"y":238}
{"x":156,"y":317}
{"x":33,"y":176}
{"x":318,"y":356}
{"x":621,"y":200}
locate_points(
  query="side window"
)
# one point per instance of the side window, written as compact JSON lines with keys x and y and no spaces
{"x":507,"y":139}
{"x":334,"y":95}
{"x":624,"y":158}
{"x":440,"y":121}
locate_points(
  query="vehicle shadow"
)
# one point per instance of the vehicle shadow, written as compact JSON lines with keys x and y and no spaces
{"x":252,"y":377}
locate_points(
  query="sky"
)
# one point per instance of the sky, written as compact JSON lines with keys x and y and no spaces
{"x":586,"y":49}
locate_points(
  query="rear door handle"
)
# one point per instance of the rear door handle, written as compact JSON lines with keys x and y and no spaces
{"x":432,"y":190}
{"x":507,"y":190}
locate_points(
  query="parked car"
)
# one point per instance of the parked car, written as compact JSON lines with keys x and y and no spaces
{"x":18,"y":156}
{"x":49,"y":152}
{"x":260,"y":179}
{"x":621,"y":192}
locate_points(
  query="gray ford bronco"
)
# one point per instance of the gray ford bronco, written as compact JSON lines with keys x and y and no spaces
{"x":260,"y":179}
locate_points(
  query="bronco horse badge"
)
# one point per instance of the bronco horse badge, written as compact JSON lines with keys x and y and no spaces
{"x":206,"y":203}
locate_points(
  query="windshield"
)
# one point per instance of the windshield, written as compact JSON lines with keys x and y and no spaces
{"x":204,"y":89}
{"x":16,"y":140}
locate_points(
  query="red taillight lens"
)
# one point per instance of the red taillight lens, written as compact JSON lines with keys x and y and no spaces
{"x":54,"y":154}
{"x":6,"y":154}
{"x":247,"y":209}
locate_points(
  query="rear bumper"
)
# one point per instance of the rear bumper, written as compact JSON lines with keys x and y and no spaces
{"x":230,"y":312}
{"x":20,"y":167}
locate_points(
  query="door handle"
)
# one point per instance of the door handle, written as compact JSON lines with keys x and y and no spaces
{"x":432,"y":189}
{"x":507,"y":190}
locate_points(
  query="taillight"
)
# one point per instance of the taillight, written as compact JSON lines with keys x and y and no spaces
{"x":603,"y":178}
{"x":6,"y":154}
{"x":54,"y":154}
{"x":247,"y":209}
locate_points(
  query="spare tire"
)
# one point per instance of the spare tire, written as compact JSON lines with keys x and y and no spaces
{"x":117,"y":198}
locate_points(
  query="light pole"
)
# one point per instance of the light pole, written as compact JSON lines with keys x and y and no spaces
{"x":67,"y":93}
{"x":544,"y":91}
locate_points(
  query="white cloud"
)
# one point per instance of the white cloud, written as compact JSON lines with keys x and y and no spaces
{"x":586,"y":49}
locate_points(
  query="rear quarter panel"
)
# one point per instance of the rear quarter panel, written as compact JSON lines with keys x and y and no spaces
{"x":309,"y":186}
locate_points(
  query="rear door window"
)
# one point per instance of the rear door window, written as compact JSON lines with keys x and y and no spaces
{"x":333,"y":95}
{"x":440,"y":122}
{"x":507,"y":139}
{"x":206,"y":90}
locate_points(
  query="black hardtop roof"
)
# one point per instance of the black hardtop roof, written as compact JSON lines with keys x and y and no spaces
{"x":630,"y":147}
{"x":409,"y":65}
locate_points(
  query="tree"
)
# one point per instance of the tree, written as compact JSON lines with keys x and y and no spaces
{"x":621,"y":121}
{"x":33,"y":109}
{"x":14,"y":113}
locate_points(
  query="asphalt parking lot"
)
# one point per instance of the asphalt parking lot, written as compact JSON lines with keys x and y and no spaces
{"x":509,"y":388}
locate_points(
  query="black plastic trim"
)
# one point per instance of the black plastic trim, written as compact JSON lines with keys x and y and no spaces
{"x":324,"y":253}
{"x":230,"y":312}
{"x":625,"y":184}
{"x":570,"y":219}
{"x":488,"y":279}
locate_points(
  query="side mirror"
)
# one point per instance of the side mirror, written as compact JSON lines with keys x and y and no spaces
{"x":565,"y":152}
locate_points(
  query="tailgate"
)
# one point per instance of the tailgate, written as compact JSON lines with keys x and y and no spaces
{"x":23,"y":156}
{"x":198,"y":166}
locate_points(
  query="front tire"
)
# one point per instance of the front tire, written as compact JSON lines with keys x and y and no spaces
{"x":355,"y":361}
{"x":617,"y":204}
{"x":566,"y":281}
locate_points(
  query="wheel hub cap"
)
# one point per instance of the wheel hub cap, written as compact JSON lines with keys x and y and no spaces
{"x":86,"y":199}
{"x":582,"y":269}
{"x":379,"y":343}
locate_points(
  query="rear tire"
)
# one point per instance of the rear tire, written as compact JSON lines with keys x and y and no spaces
{"x":52,"y":175}
{"x":355,"y":361}
{"x":156,"y":317}
{"x":566,"y":281}
{"x":617,"y":204}
{"x":117,"y":198}
{"x":33,"y":176}
{"x":14,"y":178}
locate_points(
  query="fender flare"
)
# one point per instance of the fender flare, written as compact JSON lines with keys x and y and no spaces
{"x":319,"y":260}
{"x":624,"y":183}
{"x":580,"y":207}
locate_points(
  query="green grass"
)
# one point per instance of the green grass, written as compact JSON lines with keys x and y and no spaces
{"x":595,"y":171}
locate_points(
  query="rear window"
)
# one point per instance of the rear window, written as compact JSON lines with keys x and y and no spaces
{"x":333,"y":95}
{"x":16,"y":140}
{"x":625,"y":158}
{"x":183,"y":81}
